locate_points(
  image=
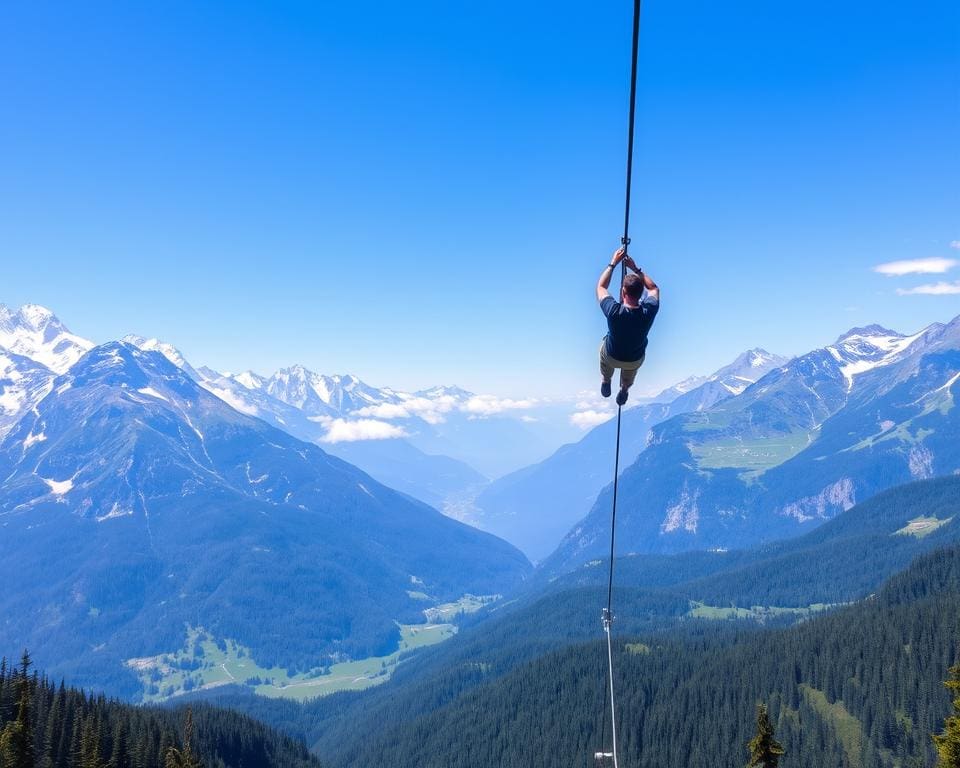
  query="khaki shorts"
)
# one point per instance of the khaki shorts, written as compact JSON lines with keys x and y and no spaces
{"x":628,"y":370}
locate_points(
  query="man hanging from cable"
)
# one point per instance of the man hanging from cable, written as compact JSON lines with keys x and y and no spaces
{"x":628,"y":323}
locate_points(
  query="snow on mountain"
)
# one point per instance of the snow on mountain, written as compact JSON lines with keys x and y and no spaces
{"x":435,"y":393}
{"x":36,"y":333}
{"x":680,"y":388}
{"x":320,"y":395}
{"x":249,"y":379}
{"x":169,"y":351}
{"x":864,"y":349}
{"x":23,"y":383}
{"x":747,"y":368}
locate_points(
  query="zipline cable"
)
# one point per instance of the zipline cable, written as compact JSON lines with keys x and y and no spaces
{"x":607,"y":616}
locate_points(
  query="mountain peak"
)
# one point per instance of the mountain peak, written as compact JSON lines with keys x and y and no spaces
{"x":169,"y":351}
{"x":249,"y":379}
{"x":863,"y":349}
{"x":751,"y":360}
{"x":32,"y":317}
{"x":870,"y":331}
{"x":37,"y":317}
{"x":35,"y":332}
{"x":444,"y":390}
{"x":745,"y":369}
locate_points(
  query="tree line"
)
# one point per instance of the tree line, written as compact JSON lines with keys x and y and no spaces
{"x":44,"y":725}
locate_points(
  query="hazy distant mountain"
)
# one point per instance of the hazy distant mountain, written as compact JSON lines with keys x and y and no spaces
{"x":809,"y":439}
{"x":36,"y":333}
{"x":435,"y":480}
{"x":534,"y":507}
{"x":136,"y":503}
{"x":320,"y":395}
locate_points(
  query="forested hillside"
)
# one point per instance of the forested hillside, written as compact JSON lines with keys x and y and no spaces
{"x":49,"y":725}
{"x":845,"y":560}
{"x":859,"y":687}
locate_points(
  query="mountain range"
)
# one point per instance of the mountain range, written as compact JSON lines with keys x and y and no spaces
{"x":425,"y":443}
{"x":806,"y":441}
{"x":144,"y":498}
{"x":135,"y":505}
{"x":534,"y":507}
{"x":491,"y":664}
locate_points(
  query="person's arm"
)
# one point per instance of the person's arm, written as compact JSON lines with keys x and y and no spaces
{"x":653,"y":290}
{"x":603,"y":284}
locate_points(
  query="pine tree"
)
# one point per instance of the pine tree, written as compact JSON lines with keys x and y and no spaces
{"x":16,"y":740}
{"x":90,"y":742}
{"x":183,"y":758}
{"x":118,"y":753}
{"x":765,"y":750}
{"x":948,"y":742}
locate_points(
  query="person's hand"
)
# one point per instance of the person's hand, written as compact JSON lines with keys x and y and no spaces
{"x":619,"y":256}
{"x":631,"y":263}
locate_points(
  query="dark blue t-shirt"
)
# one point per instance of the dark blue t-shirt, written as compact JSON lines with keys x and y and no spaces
{"x":628,"y":328}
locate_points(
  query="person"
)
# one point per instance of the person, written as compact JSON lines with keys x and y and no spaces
{"x":628,"y":323}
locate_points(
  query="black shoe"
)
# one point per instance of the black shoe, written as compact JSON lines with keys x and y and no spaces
{"x":622,"y":396}
{"x":605,"y":389}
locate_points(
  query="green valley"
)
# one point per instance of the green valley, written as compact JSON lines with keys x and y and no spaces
{"x":206,"y":662}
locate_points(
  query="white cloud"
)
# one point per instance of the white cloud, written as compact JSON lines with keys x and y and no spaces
{"x":589,"y":419}
{"x":488,"y":405}
{"x":932,"y":289}
{"x":932,"y":266}
{"x":434,"y":410}
{"x":384,"y":411}
{"x":955,"y":244}
{"x":431,"y":410}
{"x":343,"y":431}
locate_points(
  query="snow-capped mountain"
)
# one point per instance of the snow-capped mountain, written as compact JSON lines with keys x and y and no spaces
{"x":248,"y":379}
{"x":136,"y":501}
{"x":36,"y":333}
{"x":808,"y":440}
{"x":169,"y":351}
{"x":680,"y":388}
{"x":864,"y":349}
{"x":749,"y":367}
{"x":320,"y":395}
{"x":443,"y":391}
{"x":732,"y":379}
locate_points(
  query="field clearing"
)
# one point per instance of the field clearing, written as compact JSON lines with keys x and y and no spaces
{"x":758,"y":613}
{"x":848,"y":728}
{"x":757,"y":454}
{"x":206,"y":662}
{"x":920,"y":527}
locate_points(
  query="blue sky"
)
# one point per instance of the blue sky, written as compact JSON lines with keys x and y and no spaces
{"x":425,"y":192}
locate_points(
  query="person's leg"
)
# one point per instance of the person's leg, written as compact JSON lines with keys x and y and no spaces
{"x":606,"y":370}
{"x":628,"y":375}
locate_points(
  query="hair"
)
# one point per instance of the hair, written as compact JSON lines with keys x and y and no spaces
{"x":633,"y":286}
